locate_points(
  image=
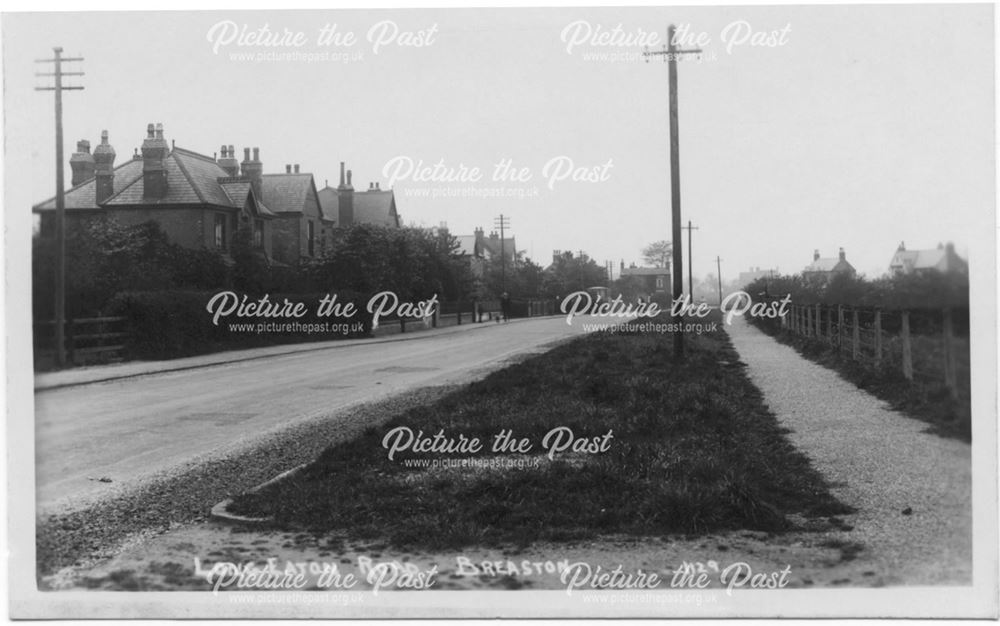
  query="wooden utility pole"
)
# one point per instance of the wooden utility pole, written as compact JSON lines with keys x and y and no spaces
{"x":670,"y":53}
{"x":718,"y":265}
{"x":60,"y":286}
{"x":503,"y":223}
{"x":689,"y":228}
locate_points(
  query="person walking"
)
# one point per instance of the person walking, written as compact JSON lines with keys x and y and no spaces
{"x":505,"y":306}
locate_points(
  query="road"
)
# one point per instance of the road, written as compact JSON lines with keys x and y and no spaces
{"x":90,"y":439}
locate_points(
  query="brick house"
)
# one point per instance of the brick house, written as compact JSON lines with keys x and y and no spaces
{"x":655,"y":281}
{"x":199,"y":201}
{"x":823,"y":270}
{"x":300,"y":229}
{"x":342,"y":206}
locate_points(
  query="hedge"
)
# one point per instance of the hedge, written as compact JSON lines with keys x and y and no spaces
{"x":174,"y":323}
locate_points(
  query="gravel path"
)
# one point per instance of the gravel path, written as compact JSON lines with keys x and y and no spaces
{"x":912,"y":490}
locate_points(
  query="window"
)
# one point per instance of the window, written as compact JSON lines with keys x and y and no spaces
{"x":258,"y":233}
{"x":220,"y":231}
{"x":311,"y":237}
{"x":659,"y":282}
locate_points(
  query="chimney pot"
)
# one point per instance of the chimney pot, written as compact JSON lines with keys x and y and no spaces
{"x":843,"y":255}
{"x":288,"y":169}
{"x":159,"y":131}
{"x":348,"y":178}
{"x":342,"y":183}
{"x":222,"y":151}
{"x":377,"y":188}
{"x":816,"y":255}
{"x":150,"y":131}
{"x":246,"y":154}
{"x":296,"y":168}
{"x":256,"y":154}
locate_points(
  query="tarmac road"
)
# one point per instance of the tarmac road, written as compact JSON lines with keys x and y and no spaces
{"x":91,"y":439}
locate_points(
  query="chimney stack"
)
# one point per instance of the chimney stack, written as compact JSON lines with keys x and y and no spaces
{"x":843,"y":255}
{"x":82,"y":163}
{"x":104,"y":169}
{"x":816,"y":255}
{"x":154,"y":167}
{"x":252,"y":169}
{"x":228,"y":161}
{"x":345,"y":198}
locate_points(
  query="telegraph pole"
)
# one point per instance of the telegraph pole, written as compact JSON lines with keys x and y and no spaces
{"x":502,"y":222}
{"x":60,"y":286}
{"x":670,"y":53}
{"x":689,"y":228}
{"x":718,"y":264}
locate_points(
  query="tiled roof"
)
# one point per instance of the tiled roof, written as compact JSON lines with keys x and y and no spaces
{"x":286,"y":193}
{"x":191,"y":179}
{"x":238,"y":191}
{"x":83,"y":195}
{"x":375,"y":207}
{"x":370,"y":207}
{"x":830,"y":264}
{"x":492,"y":245}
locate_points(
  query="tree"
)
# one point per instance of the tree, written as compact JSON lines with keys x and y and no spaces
{"x":657,"y":254}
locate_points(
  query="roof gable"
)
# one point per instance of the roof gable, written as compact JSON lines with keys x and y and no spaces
{"x":287,"y":193}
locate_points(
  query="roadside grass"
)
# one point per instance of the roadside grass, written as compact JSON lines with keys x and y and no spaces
{"x":694,"y":450}
{"x":921,"y":399}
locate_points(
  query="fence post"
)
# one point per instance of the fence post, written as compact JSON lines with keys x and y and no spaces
{"x":904,"y":335}
{"x":878,"y":337}
{"x":949,"y":355}
{"x":819,"y":322}
{"x":840,"y":328}
{"x":855,"y":335}
{"x":402,"y":325}
{"x":793,"y":320}
{"x":68,"y":339}
{"x":809,"y":321}
{"x":829,"y":326}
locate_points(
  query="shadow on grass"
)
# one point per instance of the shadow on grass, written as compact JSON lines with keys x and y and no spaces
{"x":694,"y":450}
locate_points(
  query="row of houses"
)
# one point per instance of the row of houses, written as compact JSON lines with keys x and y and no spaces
{"x":200,"y":201}
{"x":940,"y":260}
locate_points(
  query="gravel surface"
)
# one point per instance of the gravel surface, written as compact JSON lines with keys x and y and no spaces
{"x":912,"y":490}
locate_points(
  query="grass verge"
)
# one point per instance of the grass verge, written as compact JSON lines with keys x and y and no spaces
{"x":694,"y":450}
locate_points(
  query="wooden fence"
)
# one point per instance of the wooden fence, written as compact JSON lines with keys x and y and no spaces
{"x":87,"y":340}
{"x":886,"y":338}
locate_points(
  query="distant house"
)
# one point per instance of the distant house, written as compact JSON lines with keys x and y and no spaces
{"x":755,"y":273}
{"x":480,"y":249}
{"x":198,"y":201}
{"x":343,"y":207}
{"x":655,"y":280}
{"x":300,"y":229}
{"x":941,"y":260}
{"x":825,"y":269}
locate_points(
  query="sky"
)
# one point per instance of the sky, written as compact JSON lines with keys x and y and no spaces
{"x":858,"y":127}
